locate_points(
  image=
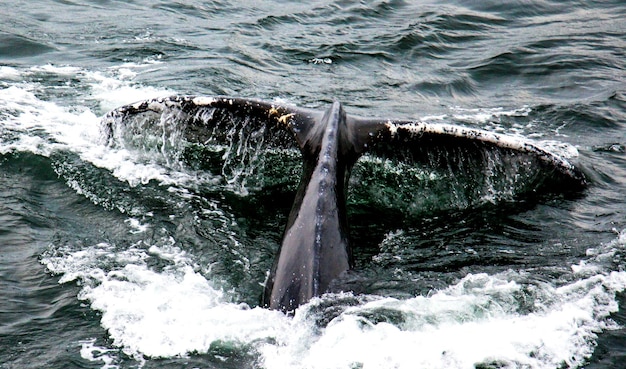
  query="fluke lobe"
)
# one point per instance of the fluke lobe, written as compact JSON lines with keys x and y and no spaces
{"x":315,"y":249}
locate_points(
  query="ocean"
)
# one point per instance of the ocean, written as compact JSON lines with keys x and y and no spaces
{"x":140,"y":257}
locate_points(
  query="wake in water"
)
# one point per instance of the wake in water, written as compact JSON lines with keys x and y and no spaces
{"x":176,"y":271}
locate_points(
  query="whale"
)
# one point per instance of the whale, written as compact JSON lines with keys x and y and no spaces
{"x":315,"y":249}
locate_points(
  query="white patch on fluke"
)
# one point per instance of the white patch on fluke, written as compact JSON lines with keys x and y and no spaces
{"x":203,"y":100}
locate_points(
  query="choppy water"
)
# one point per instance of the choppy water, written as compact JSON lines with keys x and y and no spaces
{"x":127,"y":258}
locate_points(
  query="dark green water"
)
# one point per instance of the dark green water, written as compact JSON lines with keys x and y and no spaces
{"x":138,"y":257}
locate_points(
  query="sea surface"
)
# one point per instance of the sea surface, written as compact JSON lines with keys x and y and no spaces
{"x":120,"y":257}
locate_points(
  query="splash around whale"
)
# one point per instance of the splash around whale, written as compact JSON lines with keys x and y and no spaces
{"x":315,"y":249}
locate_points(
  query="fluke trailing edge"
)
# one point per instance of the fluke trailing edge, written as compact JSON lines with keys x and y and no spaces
{"x":315,"y":249}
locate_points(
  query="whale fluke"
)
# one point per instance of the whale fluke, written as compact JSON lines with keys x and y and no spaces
{"x":315,"y":249}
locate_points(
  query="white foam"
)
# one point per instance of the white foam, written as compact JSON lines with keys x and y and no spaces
{"x":488,"y":119}
{"x":481,"y":319}
{"x":559,"y":148}
{"x":89,"y":351}
{"x":113,"y":92}
{"x":136,"y":225}
{"x":475,"y":321}
{"x":9,"y":73}
{"x":30,"y":123}
{"x":479,"y":115}
{"x":160,"y":314}
{"x":163,"y":314}
{"x":484,"y":115}
{"x":42,"y":127}
{"x":64,"y":70}
{"x":600,"y":256}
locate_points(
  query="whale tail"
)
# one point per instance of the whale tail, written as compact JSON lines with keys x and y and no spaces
{"x":237,"y":122}
{"x":315,"y":248}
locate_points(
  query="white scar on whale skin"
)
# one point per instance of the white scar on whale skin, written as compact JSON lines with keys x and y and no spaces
{"x":203,"y":100}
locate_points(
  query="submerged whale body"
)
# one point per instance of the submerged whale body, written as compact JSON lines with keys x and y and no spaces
{"x":315,"y":249}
